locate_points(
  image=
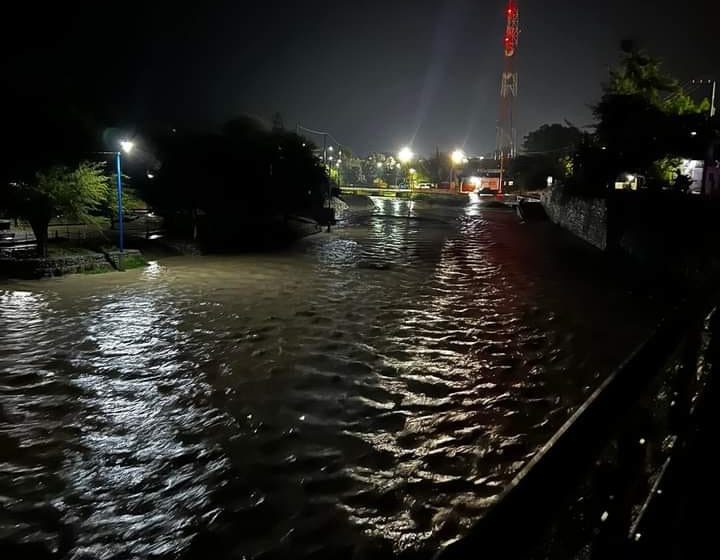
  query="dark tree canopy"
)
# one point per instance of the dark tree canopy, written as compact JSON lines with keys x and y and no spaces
{"x":645,"y":122}
{"x":552,"y":138}
{"x":243,"y":173}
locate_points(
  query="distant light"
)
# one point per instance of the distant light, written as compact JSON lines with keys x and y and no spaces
{"x":150,"y":175}
{"x":631,"y":178}
{"x":330,"y":148}
{"x":482,"y":157}
{"x":127,"y":146}
{"x":379,"y":165}
{"x":330,"y":158}
{"x":458,"y":156}
{"x":604,"y":148}
{"x":406,"y":155}
{"x":693,"y":133}
{"x":155,"y":236}
{"x":304,"y":144}
{"x":550,"y":181}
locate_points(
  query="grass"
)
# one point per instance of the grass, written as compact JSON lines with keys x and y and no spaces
{"x":133,"y":261}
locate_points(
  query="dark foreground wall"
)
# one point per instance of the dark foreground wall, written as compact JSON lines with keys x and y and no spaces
{"x":585,"y":217}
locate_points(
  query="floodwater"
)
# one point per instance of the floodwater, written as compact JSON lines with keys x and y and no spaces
{"x":364,"y":394}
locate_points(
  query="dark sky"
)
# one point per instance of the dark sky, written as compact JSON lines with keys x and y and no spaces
{"x":377,"y":74}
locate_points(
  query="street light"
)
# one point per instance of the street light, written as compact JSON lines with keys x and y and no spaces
{"x":413,"y":172}
{"x":127,"y":147}
{"x":458,"y":157}
{"x":406,"y":155}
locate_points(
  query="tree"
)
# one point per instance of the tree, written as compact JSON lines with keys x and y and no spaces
{"x":546,"y":154}
{"x":645,"y":121}
{"x":242,"y":175}
{"x":642,"y":76}
{"x":554,"y":139}
{"x":76,"y":194}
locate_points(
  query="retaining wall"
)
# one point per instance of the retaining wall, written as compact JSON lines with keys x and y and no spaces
{"x":587,"y":218}
{"x":31,"y":268}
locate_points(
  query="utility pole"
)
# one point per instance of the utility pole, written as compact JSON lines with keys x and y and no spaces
{"x":712,"y":99}
{"x":329,"y":193}
{"x":709,"y":156}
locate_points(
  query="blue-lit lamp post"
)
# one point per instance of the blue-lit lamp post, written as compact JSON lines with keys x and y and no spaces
{"x":127,"y":147}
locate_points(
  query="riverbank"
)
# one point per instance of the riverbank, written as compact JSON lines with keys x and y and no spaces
{"x":85,"y":262}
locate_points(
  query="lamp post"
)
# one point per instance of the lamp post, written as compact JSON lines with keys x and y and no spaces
{"x":405,"y":156}
{"x":457,"y":157}
{"x":127,"y":147}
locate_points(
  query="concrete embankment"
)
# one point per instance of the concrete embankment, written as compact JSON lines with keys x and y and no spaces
{"x":673,"y":233}
{"x":90,"y":263}
{"x":587,"y":218}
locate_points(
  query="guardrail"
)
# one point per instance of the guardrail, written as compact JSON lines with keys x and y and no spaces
{"x":605,"y":485}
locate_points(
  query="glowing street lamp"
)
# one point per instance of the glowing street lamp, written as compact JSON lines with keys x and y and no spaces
{"x":458,"y":157}
{"x":413,"y":173}
{"x":406,"y":155}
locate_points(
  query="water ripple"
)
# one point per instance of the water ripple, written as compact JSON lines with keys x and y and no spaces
{"x":368,"y":393}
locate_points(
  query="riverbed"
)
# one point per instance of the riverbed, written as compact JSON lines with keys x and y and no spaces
{"x":363,"y":394}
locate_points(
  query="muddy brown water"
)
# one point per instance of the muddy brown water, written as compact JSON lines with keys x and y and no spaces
{"x":363,"y":394}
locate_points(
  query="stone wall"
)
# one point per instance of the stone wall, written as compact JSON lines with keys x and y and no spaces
{"x":30,"y":268}
{"x":587,"y":218}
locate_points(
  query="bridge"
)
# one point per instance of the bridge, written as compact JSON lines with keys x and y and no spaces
{"x":405,"y":194}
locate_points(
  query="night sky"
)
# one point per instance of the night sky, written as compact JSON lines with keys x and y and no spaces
{"x":377,"y":74}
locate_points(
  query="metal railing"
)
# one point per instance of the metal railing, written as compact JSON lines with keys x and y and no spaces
{"x":604,"y":485}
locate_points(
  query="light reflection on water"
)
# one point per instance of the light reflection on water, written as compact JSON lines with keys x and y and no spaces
{"x":367,"y":393}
